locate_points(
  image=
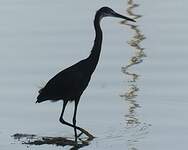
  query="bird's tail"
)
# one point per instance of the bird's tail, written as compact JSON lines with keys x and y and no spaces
{"x":41,"y":97}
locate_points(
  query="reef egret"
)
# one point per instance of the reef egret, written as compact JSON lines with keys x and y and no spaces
{"x":69,"y":84}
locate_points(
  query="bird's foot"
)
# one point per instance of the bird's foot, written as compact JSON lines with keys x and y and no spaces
{"x":83,"y":131}
{"x":80,"y":134}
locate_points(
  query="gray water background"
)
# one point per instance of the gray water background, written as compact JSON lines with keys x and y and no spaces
{"x":40,"y":38}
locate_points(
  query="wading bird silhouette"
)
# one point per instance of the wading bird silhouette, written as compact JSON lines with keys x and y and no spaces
{"x":69,"y":84}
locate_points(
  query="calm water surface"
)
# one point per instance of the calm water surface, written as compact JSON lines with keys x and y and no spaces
{"x":137,"y":99}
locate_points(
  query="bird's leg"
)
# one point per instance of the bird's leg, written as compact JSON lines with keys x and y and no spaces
{"x":61,"y":117}
{"x":63,"y":110}
{"x":74,"y":119}
{"x":70,"y":125}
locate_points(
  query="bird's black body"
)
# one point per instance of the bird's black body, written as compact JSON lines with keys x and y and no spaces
{"x":69,"y":84}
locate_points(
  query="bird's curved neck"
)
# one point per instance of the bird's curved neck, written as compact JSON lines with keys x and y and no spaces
{"x":95,"y":52}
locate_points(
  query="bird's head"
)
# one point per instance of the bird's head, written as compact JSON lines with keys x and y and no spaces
{"x":108,"y":12}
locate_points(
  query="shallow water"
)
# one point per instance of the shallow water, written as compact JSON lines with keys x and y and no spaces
{"x":137,"y":98}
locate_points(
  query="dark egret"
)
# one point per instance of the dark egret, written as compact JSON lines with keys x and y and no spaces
{"x":69,"y":84}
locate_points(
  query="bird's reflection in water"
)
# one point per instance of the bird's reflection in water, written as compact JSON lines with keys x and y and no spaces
{"x":32,"y":139}
{"x":137,"y":128}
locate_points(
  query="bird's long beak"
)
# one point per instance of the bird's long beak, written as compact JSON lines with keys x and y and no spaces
{"x":123,"y":17}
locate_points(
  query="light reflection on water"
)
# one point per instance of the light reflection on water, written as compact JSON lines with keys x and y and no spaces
{"x":135,"y":126}
{"x":137,"y":58}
